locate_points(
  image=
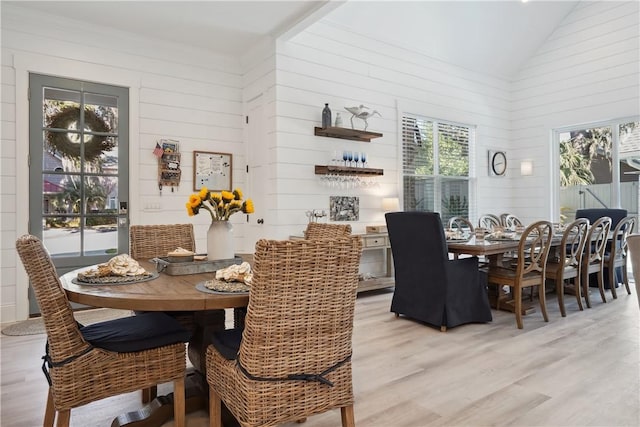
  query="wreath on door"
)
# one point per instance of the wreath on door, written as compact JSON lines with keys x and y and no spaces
{"x":93,"y":147}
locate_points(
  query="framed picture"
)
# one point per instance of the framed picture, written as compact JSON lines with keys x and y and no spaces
{"x":212,"y":170}
{"x":343,"y":208}
{"x":169,"y":146}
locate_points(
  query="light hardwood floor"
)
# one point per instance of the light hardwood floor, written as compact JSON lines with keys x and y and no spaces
{"x":582,"y":370}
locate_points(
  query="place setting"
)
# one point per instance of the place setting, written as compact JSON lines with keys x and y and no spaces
{"x":119,"y":270}
{"x":234,"y":279}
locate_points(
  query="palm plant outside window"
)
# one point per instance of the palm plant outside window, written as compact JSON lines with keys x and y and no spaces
{"x":436,"y":168}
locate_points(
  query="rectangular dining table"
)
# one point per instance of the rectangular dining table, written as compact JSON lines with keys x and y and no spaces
{"x":165,"y":293}
{"x":494,"y":251}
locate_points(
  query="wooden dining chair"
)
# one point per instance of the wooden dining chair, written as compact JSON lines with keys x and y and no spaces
{"x":293,"y":358}
{"x":320,"y":230}
{"x":593,"y":258}
{"x":489,"y":222}
{"x":460,"y":223}
{"x":568,"y":260}
{"x":616,"y":256}
{"x":530,"y":268}
{"x":84,"y":364}
{"x":511,"y":222}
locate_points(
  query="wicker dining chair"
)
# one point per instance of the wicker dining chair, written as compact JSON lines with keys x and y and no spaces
{"x":319,"y":230}
{"x":293,"y":358}
{"x":86,"y":364}
{"x":593,"y":257}
{"x":616,"y":258}
{"x":532,"y":255}
{"x":567,"y":265}
{"x":150,"y":241}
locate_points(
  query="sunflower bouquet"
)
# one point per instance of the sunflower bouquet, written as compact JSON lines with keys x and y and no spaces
{"x":220,"y":205}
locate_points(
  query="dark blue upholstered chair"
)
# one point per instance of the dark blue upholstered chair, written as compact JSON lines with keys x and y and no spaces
{"x":429,"y":286}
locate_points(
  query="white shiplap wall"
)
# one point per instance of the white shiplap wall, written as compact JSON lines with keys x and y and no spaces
{"x":176,"y":92}
{"x":329,"y":63}
{"x":587,"y":71}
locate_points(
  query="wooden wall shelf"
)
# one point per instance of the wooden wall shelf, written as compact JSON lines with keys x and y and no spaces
{"x":346,"y":133}
{"x":347,"y":170}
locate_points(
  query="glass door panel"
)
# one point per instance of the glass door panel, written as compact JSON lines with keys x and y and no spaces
{"x":78,"y":174}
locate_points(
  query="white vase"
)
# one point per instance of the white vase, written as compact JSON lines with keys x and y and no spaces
{"x":220,"y":241}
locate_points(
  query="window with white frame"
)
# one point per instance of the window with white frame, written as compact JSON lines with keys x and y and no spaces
{"x":599,"y":166}
{"x":436,"y":166}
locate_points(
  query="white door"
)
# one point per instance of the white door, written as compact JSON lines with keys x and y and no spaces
{"x":258,"y":179}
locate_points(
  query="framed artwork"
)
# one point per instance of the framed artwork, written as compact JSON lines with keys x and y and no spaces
{"x":212,"y":170}
{"x":169,"y":146}
{"x":343,"y":208}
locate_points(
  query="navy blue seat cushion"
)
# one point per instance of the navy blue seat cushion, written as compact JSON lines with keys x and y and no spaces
{"x":227,"y":342}
{"x":593,"y":215}
{"x":136,"y":333}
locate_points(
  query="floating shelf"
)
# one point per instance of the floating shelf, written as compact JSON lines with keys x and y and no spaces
{"x":346,"y":133}
{"x":347,"y":170}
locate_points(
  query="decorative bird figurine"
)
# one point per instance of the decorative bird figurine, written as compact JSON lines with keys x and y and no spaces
{"x":361,"y":113}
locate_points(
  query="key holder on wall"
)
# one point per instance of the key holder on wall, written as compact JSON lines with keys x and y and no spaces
{"x":169,"y":172}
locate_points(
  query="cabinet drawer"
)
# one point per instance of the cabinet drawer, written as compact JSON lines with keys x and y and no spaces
{"x":375,"y":242}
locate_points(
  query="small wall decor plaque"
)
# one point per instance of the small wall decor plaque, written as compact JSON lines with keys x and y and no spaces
{"x":343,"y":208}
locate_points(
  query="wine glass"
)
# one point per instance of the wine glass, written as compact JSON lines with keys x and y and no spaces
{"x":350,"y":157}
{"x":345,"y":157}
{"x":356,"y":158}
{"x":363,"y":159}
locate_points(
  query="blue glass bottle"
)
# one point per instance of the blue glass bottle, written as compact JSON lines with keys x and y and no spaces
{"x":326,"y":116}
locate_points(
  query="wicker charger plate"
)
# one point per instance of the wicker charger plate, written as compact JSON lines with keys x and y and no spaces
{"x":115,"y":280}
{"x":221,"y":287}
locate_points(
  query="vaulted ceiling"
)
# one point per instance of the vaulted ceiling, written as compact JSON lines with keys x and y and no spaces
{"x":493,"y":37}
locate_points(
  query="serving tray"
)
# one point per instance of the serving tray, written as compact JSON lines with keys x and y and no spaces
{"x":163,"y":265}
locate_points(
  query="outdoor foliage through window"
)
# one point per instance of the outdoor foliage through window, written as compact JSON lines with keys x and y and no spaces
{"x":436,"y":166}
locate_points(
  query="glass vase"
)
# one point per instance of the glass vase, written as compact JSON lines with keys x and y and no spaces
{"x":220,"y":241}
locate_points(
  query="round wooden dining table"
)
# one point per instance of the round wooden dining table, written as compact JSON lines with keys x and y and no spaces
{"x":168,"y":293}
{"x":164,"y":293}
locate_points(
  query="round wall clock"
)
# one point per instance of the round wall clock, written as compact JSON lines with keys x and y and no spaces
{"x":497,"y":163}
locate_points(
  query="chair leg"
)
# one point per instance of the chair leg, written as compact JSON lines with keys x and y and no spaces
{"x":585,"y":290}
{"x":301,"y":420}
{"x":601,"y":285}
{"x":578,"y":290}
{"x":543,"y":301}
{"x":560,"y":294}
{"x":148,"y":394}
{"x":50,"y":411}
{"x":443,"y":328}
{"x":63,"y":418}
{"x":517,"y":294}
{"x":625,"y":278}
{"x":215,"y":410}
{"x":348,"y":419}
{"x":613,"y":281}
{"x":179,"y":402}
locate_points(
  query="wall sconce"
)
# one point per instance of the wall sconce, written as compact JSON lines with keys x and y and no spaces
{"x":526,"y":167}
{"x":390,"y":204}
